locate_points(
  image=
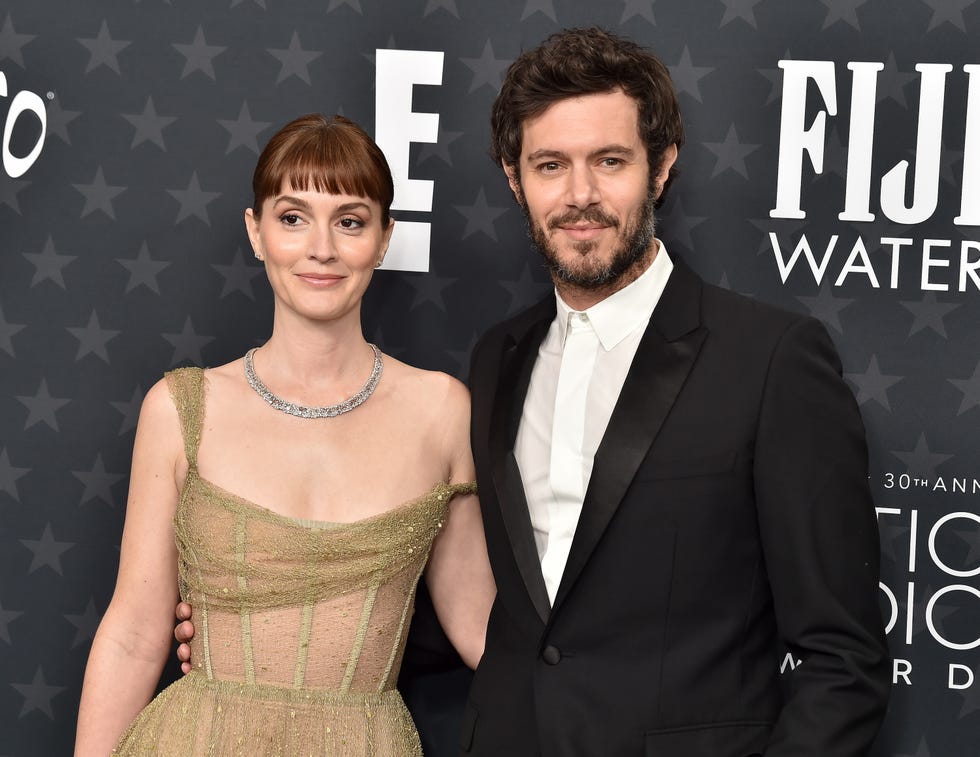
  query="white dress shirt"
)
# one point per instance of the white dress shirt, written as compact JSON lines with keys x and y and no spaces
{"x":579,"y":373}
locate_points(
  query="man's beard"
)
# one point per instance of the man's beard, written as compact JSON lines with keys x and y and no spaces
{"x":633,"y":242}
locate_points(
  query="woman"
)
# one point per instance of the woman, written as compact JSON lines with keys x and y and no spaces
{"x":305,"y":485}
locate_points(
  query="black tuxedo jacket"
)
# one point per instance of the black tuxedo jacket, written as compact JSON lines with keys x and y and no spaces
{"x":728,"y":509}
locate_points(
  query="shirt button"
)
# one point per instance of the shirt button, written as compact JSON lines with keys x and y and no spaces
{"x":551,"y":655}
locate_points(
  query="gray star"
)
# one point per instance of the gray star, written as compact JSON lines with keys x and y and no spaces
{"x":480,"y":216}
{"x":948,"y":11}
{"x":546,"y":7}
{"x":355,"y":4}
{"x":9,"y":474}
{"x":686,"y":75}
{"x":38,"y":694}
{"x":143,"y":270}
{"x":873,"y":384}
{"x":47,"y":551}
{"x":103,"y":49}
{"x":294,"y":60}
{"x":193,"y":200}
{"x":244,"y":132}
{"x":970,"y":538}
{"x":58,"y":120}
{"x":86,"y":624}
{"x":642,"y":8}
{"x":6,"y":618}
{"x":48,"y":264}
{"x":842,"y":10}
{"x":92,"y":338}
{"x":525,"y":290}
{"x":187,"y":344}
{"x":486,"y":69}
{"x":940,"y":611}
{"x":198,"y":55}
{"x":826,"y":307}
{"x":428,"y":288}
{"x":98,"y":483}
{"x":971,"y":390}
{"x":947,"y":159}
{"x":11,"y":42}
{"x":743,"y":9}
{"x":775,"y":78}
{"x":238,"y":276}
{"x":929,"y":312}
{"x":130,"y":410}
{"x":449,"y":6}
{"x":920,"y":461}
{"x":889,"y":535}
{"x":9,"y":189}
{"x":149,"y":125}
{"x":787,"y":228}
{"x":892,"y":82}
{"x":439,"y":148}
{"x":681,"y":224}
{"x":98,"y":195}
{"x":7,"y":330}
{"x":731,"y":153}
{"x":42,"y":406}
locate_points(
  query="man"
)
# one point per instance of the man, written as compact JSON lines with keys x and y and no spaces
{"x":673,"y":478}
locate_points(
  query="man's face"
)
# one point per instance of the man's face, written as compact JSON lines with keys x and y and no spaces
{"x":584,"y":185}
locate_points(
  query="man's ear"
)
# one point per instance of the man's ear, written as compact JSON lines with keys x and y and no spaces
{"x":666,"y":162}
{"x":513,"y":178}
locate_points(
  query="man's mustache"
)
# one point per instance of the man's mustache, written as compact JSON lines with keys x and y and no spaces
{"x":589,"y":215}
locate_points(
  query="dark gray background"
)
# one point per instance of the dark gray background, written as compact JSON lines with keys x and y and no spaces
{"x":122,"y":254}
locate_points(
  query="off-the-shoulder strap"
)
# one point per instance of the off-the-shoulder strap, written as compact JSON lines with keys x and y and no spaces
{"x":187,"y":389}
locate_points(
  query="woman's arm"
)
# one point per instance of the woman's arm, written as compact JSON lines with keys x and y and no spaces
{"x":458,"y":574}
{"x":133,"y":640}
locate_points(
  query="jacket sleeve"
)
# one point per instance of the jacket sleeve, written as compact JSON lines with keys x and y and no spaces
{"x":821,"y":547}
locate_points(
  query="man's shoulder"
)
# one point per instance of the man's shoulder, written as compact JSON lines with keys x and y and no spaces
{"x":724,"y":308}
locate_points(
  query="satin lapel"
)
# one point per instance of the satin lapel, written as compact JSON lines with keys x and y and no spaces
{"x":664,"y":358}
{"x":517,"y":362}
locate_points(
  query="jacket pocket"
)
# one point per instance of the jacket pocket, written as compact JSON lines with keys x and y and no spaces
{"x":746,"y":739}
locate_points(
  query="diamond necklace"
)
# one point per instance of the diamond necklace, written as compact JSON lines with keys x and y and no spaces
{"x":302,"y":411}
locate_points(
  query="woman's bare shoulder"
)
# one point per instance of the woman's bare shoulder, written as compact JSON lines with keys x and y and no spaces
{"x":436,"y":387}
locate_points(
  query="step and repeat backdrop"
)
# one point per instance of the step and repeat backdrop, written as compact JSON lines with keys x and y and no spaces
{"x":832,"y":167}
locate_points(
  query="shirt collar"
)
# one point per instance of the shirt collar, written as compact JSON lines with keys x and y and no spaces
{"x":619,"y":314}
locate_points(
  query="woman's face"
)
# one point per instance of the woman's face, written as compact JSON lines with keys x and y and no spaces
{"x":319,"y":249}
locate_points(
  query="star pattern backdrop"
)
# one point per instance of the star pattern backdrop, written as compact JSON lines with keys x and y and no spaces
{"x":123,"y":254}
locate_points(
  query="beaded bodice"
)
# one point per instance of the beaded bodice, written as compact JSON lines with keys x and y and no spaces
{"x":289,"y":603}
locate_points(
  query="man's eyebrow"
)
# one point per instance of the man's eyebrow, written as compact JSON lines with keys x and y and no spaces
{"x":613,"y":149}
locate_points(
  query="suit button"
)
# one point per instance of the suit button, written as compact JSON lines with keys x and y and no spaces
{"x":551,"y":655}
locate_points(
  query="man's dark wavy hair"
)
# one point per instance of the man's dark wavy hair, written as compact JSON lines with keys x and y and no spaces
{"x":578,"y":62}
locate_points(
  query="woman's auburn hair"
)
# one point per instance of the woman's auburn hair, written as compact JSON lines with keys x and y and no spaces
{"x":316,"y":153}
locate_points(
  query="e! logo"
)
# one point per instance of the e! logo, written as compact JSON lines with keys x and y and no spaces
{"x":23,"y":102}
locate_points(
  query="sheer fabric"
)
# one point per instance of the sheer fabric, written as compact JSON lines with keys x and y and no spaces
{"x":300,"y":626}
